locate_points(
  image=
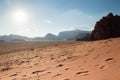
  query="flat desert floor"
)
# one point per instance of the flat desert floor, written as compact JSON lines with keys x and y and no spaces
{"x":62,"y":60}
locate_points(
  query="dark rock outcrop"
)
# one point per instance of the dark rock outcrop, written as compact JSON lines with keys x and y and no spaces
{"x":107,"y":27}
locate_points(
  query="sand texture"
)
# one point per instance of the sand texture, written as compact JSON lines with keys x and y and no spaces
{"x":95,"y":60}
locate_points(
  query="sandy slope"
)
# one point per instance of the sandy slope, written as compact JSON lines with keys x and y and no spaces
{"x":98,"y":60}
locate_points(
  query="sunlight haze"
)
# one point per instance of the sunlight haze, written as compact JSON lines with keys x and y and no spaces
{"x":38,"y":17}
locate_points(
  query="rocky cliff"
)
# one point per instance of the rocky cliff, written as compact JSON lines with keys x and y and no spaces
{"x":107,"y":27}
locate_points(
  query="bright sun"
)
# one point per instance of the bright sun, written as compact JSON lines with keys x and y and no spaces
{"x":20,"y":16}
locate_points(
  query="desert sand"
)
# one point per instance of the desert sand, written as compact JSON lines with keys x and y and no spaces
{"x":92,"y":60}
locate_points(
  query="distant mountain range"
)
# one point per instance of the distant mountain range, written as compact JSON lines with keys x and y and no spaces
{"x":13,"y":37}
{"x":64,"y":35}
{"x":73,"y":34}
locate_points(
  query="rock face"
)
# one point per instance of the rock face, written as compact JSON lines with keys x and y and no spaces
{"x":107,"y":27}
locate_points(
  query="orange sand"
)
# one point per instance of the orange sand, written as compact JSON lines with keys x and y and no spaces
{"x":97,"y":60}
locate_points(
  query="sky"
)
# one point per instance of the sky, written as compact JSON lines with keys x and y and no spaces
{"x":34,"y":18}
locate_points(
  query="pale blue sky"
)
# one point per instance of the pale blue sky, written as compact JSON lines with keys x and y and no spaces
{"x":39,"y":17}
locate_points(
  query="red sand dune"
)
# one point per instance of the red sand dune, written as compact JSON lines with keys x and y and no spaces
{"x":97,"y":60}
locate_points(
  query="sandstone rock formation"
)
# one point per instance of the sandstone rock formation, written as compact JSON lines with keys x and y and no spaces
{"x":107,"y":27}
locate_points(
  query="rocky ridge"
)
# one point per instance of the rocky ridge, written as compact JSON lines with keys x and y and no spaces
{"x":107,"y":27}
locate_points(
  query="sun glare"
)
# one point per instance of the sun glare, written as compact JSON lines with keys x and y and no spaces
{"x":20,"y":16}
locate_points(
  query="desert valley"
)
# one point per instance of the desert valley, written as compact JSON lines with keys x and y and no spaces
{"x":59,"y":40}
